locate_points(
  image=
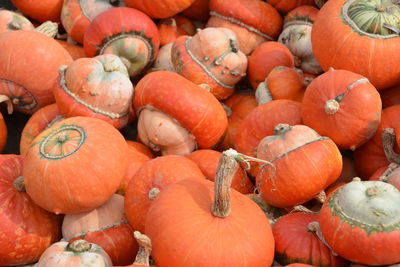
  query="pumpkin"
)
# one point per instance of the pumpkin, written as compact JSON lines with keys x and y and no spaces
{"x":75,"y":51}
{"x":173,"y":27}
{"x":77,"y":15}
{"x":371,"y":156}
{"x":151,"y":179}
{"x":260,"y":123}
{"x":320,"y":3}
{"x":289,"y":152}
{"x":12,"y":21}
{"x":301,"y":14}
{"x":285,"y":6}
{"x":198,"y":10}
{"x":3,"y":133}
{"x":79,"y":253}
{"x":208,"y":159}
{"x":282,"y":83}
{"x":26,"y":230}
{"x":175,"y":115}
{"x":390,"y":96}
{"x":96,"y":87}
{"x":132,"y":36}
{"x":195,"y":222}
{"x":143,"y":256}
{"x":211,"y":58}
{"x":159,"y":9}
{"x":363,"y":26}
{"x":337,"y":100}
{"x":237,"y":107}
{"x":26,"y":81}
{"x":60,"y":174}
{"x":139,"y":147}
{"x":105,"y":226}
{"x":37,"y":123}
{"x":353,"y":231}
{"x":43,"y":11}
{"x":388,"y":174}
{"x":296,"y":241}
{"x":164,"y":60}
{"x":266,"y":57}
{"x":254,"y":22}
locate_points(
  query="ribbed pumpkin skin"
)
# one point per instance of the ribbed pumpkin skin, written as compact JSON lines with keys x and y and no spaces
{"x":266,"y":57}
{"x":294,"y":242}
{"x":156,"y":173}
{"x":40,"y":10}
{"x":25,"y":78}
{"x":352,"y":125}
{"x":11,"y":21}
{"x":370,"y":156}
{"x":26,"y":230}
{"x":193,"y":107}
{"x":159,"y":9}
{"x":60,"y":175}
{"x":285,"y":6}
{"x":185,"y":233}
{"x":36,"y":124}
{"x":3,"y":133}
{"x":375,"y":57}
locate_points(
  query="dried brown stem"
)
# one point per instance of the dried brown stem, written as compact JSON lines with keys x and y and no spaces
{"x":9,"y":102}
{"x":314,"y":227}
{"x":389,"y":140}
{"x":143,"y":255}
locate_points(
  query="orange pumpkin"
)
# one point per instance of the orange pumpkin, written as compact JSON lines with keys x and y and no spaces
{"x":208,"y":159}
{"x":284,"y":6}
{"x":337,"y":100}
{"x":105,"y":226}
{"x":173,"y":27}
{"x":26,"y":230}
{"x":195,"y":217}
{"x":159,"y":8}
{"x":266,"y":57}
{"x":41,"y":11}
{"x":362,"y":26}
{"x":198,"y":10}
{"x":12,"y":21}
{"x":190,"y":117}
{"x":291,"y":152}
{"x":304,"y":13}
{"x":254,"y":22}
{"x":37,"y":123}
{"x":75,"y":51}
{"x":388,"y":174}
{"x":59,"y":171}
{"x":96,"y":87}
{"x":3,"y":133}
{"x":132,"y":36}
{"x":211,"y":58}
{"x":151,"y":179}
{"x":25,"y":80}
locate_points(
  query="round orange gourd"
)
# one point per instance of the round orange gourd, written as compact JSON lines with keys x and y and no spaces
{"x":193,"y":223}
{"x":368,"y":27}
{"x":254,"y":22}
{"x":25,"y":80}
{"x":71,"y":167}
{"x":285,"y":6}
{"x":334,"y":105}
{"x":159,"y":8}
{"x":151,"y":179}
{"x":3,"y":133}
{"x":41,"y":11}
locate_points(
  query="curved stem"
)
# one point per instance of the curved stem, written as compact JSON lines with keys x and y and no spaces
{"x":389,"y":140}
{"x":314,"y":227}
{"x":391,"y":168}
{"x":301,"y":208}
{"x":321,"y":197}
{"x":9,"y":102}
{"x":143,"y":255}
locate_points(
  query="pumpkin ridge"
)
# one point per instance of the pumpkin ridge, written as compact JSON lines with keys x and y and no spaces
{"x":19,"y":103}
{"x":63,"y":85}
{"x":240,"y":23}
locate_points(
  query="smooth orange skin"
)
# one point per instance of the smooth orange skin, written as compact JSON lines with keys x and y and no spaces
{"x":295,"y":243}
{"x":241,"y":105}
{"x":159,"y":9}
{"x":3,"y":133}
{"x":75,"y":51}
{"x":208,"y":159}
{"x":370,"y":156}
{"x":352,"y":125}
{"x":302,"y":12}
{"x":198,"y":10}
{"x":193,"y":107}
{"x":261,"y":122}
{"x":26,"y":229}
{"x":342,"y":43}
{"x":266,"y":57}
{"x":88,"y":185}
{"x":8,"y":16}
{"x":183,"y":230}
{"x":284,"y":6}
{"x":41,"y":11}
{"x":347,"y":240}
{"x":169,"y":33}
{"x":36,"y":76}
{"x":36,"y":124}
{"x":140,"y":148}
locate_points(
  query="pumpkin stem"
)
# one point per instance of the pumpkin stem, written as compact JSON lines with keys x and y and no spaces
{"x":227,"y":109}
{"x":79,"y":245}
{"x":282,"y":128}
{"x":301,"y":208}
{"x":331,"y":106}
{"x":48,"y":28}
{"x":19,"y":184}
{"x":263,"y":94}
{"x":9,"y":102}
{"x":143,"y":255}
{"x":391,"y":168}
{"x":14,"y":26}
{"x":154,"y":192}
{"x":314,"y":227}
{"x":389,"y":140}
{"x":321,"y":197}
{"x":227,"y":167}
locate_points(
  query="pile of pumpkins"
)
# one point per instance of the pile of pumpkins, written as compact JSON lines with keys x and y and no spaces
{"x":268,"y":133}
